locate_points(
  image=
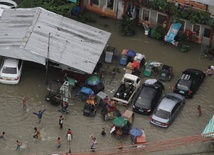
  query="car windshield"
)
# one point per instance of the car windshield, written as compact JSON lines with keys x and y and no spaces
{"x":183,"y":84}
{"x":145,"y":96}
{"x":9,"y":70}
{"x":162,"y":114}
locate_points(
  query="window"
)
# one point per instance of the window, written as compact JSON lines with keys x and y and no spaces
{"x":207,"y":33}
{"x":161,"y":19}
{"x":175,"y":108}
{"x":196,"y":29}
{"x":110,"y":4}
{"x":145,"y":15}
{"x":95,"y":2}
{"x":183,"y":25}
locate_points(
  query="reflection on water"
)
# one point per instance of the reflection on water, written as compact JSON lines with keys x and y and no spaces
{"x":19,"y":124}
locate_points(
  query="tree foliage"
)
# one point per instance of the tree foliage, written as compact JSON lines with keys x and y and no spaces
{"x":58,"y":6}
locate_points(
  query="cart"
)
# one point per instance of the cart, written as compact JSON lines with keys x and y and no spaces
{"x":109,"y":53}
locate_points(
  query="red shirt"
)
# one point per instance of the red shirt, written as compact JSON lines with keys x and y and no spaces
{"x":69,"y":132}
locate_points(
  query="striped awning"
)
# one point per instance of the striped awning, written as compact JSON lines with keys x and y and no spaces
{"x":209,"y":129}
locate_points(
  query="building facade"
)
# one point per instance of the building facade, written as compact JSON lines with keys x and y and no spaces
{"x":141,"y":11}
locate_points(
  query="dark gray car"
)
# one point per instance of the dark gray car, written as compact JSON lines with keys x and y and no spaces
{"x":167,"y":109}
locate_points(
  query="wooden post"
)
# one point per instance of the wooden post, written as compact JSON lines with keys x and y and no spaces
{"x":82,"y":6}
{"x":211,"y":37}
{"x":125,"y":7}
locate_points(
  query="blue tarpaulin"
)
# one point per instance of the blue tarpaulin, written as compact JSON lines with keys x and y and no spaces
{"x":86,"y":90}
{"x":131,"y":53}
{"x":170,"y":36}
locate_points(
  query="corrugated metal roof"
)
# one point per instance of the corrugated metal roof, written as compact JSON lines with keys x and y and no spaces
{"x":25,"y":35}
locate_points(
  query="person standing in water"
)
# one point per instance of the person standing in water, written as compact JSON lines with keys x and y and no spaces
{"x":2,"y":135}
{"x":36,"y":133}
{"x":39,"y":114}
{"x":58,"y":142}
{"x":199,"y":110}
{"x":19,"y":144}
{"x":24,"y":102}
{"x":61,"y":118}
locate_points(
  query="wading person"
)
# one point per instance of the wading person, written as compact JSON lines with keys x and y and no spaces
{"x":18,"y":145}
{"x":58,"y":142}
{"x":103,"y":132}
{"x":69,"y":135}
{"x":199,"y":110}
{"x":39,"y":114}
{"x":209,"y":71}
{"x":93,"y":144}
{"x":61,"y":118}
{"x":36,"y":133}
{"x":24,"y":103}
{"x":2,"y":135}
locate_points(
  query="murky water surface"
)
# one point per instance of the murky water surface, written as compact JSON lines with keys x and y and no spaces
{"x":19,"y":124}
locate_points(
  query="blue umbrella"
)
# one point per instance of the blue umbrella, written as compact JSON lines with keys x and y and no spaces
{"x":136,"y":132}
{"x":131,"y":53}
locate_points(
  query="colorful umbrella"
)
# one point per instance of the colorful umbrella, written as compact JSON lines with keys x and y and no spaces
{"x":93,"y":80}
{"x":136,"y":132}
{"x":120,"y":121}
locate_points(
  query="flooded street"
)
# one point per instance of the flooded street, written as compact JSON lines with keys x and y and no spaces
{"x":19,"y":125}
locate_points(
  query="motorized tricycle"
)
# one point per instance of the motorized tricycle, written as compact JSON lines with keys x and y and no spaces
{"x":152,"y":67}
{"x":166,"y":73}
{"x":54,"y":95}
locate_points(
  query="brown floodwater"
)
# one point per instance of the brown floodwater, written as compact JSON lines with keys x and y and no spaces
{"x":19,"y":124}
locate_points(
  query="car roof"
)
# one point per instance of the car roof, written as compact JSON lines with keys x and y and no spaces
{"x":192,"y":71}
{"x":131,"y":76}
{"x":167,"y":104}
{"x":152,"y":83}
{"x":10,"y":62}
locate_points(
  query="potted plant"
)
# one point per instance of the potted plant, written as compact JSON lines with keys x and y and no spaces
{"x":159,"y":32}
{"x":126,"y":26}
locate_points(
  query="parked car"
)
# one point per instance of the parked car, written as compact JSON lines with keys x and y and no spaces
{"x":189,"y":82}
{"x":167,"y":109}
{"x":11,"y":70}
{"x":148,"y":96}
{"x":7,"y":4}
